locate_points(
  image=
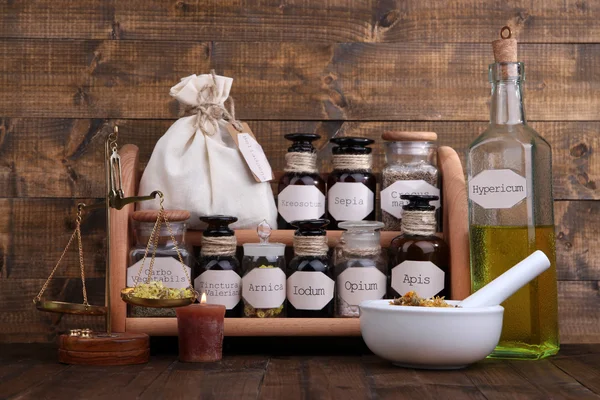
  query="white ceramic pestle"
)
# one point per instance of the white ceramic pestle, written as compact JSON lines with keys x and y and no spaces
{"x":504,"y":286}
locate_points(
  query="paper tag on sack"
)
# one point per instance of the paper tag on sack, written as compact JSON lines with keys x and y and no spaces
{"x":252,"y":152}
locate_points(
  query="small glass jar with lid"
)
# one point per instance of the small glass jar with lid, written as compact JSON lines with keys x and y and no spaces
{"x":411,"y":168}
{"x":167,"y":267}
{"x":310,"y":284}
{"x":219,"y":272}
{"x":360,"y":269}
{"x":264,"y":281}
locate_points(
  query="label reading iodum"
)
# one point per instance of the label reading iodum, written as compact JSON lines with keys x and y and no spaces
{"x":165,"y":269}
{"x":497,"y":188}
{"x":350,"y":201}
{"x":221,"y":287}
{"x":357,"y":284}
{"x":423,"y":277}
{"x":309,"y":290}
{"x":297,"y":202}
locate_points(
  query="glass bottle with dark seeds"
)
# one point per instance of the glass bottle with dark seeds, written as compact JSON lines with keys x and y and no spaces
{"x":351,"y":185}
{"x":301,"y":190}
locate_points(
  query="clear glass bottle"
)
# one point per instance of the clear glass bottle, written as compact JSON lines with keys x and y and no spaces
{"x":509,"y":170}
{"x":411,"y":168}
{"x":419,"y":260}
{"x":219,"y":271}
{"x":360,"y":269}
{"x":310,"y":285}
{"x":264,"y":280}
{"x":167,"y":267}
{"x":351,"y":185}
{"x":301,"y":190}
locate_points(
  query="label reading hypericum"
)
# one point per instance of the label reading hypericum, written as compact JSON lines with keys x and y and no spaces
{"x":390,"y":196}
{"x":221,"y":287}
{"x":350,"y":201}
{"x":165,"y":269}
{"x":497,"y":188}
{"x":264,"y":287}
{"x":423,"y":277}
{"x":357,"y":284}
{"x":297,"y":202}
{"x":309,"y":290}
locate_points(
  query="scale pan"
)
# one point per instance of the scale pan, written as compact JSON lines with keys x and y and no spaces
{"x":127,"y":296}
{"x":62,"y":307}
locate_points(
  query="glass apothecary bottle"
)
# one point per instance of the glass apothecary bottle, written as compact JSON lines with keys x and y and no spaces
{"x":509,"y":170}
{"x":167,"y":267}
{"x":310,"y":284}
{"x":411,"y":168}
{"x":419,"y":260}
{"x":351,"y":185}
{"x":360,"y":269}
{"x":301,"y":190}
{"x":219,"y":272}
{"x":264,"y":280}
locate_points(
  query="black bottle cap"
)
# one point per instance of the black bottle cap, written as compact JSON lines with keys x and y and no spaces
{"x":310,"y":227}
{"x":218,"y":225}
{"x":418,"y":202}
{"x":302,"y":142}
{"x":352,"y":145}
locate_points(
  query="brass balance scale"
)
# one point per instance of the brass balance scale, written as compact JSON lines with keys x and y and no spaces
{"x":82,"y":346}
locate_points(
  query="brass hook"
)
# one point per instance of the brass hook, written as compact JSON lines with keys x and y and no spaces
{"x":505,"y":29}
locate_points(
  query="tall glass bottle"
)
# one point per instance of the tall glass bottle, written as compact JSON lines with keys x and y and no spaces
{"x":509,"y":168}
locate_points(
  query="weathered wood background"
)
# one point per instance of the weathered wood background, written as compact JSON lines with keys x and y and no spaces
{"x":70,"y":70}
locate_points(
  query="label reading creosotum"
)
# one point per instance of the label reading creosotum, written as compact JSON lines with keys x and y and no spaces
{"x":297,"y":202}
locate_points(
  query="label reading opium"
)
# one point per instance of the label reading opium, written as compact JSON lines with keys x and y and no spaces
{"x":297,"y":202}
{"x":423,"y":277}
{"x":350,"y":201}
{"x":390,"y":196}
{"x":497,"y":188}
{"x":221,"y":287}
{"x":165,"y":269}
{"x":264,"y":287}
{"x":357,"y":284}
{"x":309,"y":290}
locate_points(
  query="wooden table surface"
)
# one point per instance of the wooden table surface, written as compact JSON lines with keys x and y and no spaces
{"x":31,"y":372}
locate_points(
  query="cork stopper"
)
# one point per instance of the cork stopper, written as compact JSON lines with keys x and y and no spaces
{"x":409,"y":136}
{"x":151,"y":215}
{"x":505,"y":48}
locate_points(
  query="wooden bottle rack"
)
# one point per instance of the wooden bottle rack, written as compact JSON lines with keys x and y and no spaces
{"x":122,"y":232}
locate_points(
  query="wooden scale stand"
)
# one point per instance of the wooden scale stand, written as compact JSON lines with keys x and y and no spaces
{"x":82,"y":346}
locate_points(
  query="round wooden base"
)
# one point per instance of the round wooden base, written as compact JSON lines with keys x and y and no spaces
{"x":102,"y":349}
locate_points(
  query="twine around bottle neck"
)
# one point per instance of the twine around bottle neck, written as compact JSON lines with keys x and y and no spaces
{"x":315,"y":246}
{"x":419,"y":223}
{"x":218,"y":246}
{"x":301,"y":162}
{"x":352,"y":162}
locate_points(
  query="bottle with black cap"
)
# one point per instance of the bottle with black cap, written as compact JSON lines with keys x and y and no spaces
{"x":301,"y":192}
{"x":419,"y":260}
{"x":310,"y":284}
{"x":218,"y":272}
{"x":351,"y":185}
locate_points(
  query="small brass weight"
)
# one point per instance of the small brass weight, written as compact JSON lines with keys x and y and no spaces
{"x":82,"y":346}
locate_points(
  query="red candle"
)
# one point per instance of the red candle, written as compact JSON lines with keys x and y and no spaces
{"x":200,"y":328}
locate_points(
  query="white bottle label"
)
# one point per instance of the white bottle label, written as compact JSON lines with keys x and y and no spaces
{"x":390,"y":196}
{"x":297,"y":202}
{"x":357,"y":284}
{"x":264,"y":287}
{"x":255,"y":157}
{"x":350,"y":201}
{"x":165,"y":269}
{"x":309,"y":290}
{"x":422,"y":277}
{"x":497,"y":188}
{"x":221,"y":287}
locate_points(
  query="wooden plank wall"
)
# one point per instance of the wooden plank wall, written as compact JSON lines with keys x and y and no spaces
{"x":70,"y":70}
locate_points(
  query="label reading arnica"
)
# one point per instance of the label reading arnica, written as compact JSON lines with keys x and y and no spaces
{"x":357,"y":284}
{"x":221,"y":287}
{"x":264,"y":287}
{"x":350,"y":201}
{"x":297,"y":202}
{"x":309,"y":290}
{"x":497,"y":188}
{"x":423,"y":277}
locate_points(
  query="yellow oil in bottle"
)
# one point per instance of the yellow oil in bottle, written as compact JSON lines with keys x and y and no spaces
{"x":530,"y":328}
